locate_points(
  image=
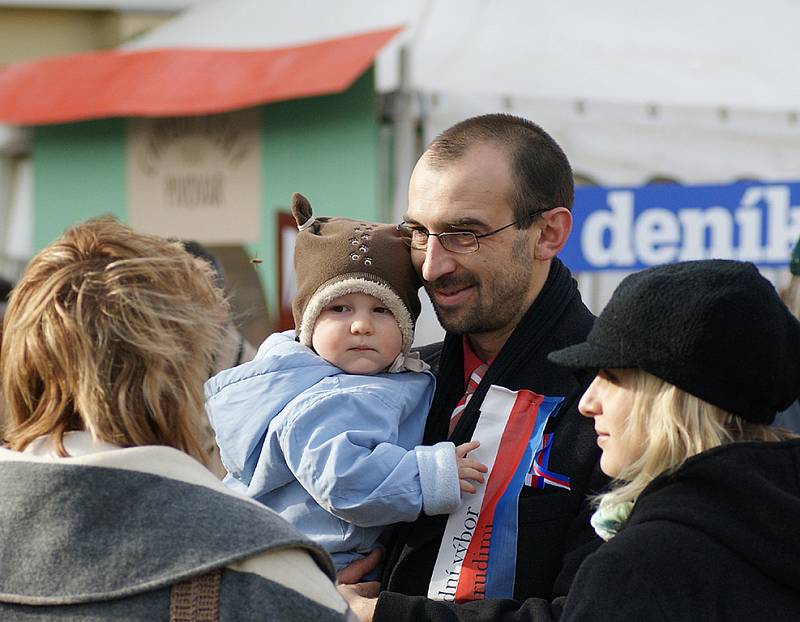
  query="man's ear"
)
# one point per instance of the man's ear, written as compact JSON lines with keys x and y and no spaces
{"x":555,"y":226}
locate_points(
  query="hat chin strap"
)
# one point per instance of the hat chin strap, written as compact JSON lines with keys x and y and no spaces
{"x":407,"y":362}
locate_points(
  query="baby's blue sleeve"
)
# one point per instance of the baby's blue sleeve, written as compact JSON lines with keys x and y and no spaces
{"x":341,"y":446}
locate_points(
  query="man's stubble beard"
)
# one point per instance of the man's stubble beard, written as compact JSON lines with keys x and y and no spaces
{"x":506,"y":301}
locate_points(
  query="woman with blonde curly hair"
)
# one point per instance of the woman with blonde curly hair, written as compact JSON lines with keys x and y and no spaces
{"x":694,"y":361}
{"x":107,"y":510}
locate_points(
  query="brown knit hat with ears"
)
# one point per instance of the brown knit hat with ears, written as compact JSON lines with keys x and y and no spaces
{"x":338,"y":256}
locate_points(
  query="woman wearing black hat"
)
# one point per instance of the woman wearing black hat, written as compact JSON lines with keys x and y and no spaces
{"x":703,"y":517}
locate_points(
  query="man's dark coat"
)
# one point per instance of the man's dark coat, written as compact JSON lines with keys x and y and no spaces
{"x":554,"y":531}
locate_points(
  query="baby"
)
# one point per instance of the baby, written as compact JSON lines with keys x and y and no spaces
{"x":325,"y":428}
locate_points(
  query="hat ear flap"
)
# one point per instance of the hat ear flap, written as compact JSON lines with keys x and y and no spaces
{"x":301,"y":210}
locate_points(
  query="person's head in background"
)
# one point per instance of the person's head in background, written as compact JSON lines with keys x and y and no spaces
{"x":235,"y":349}
{"x":5,"y":291}
{"x":790,"y":418}
{"x":112,"y":332}
{"x":690,"y":356}
{"x":791,"y":293}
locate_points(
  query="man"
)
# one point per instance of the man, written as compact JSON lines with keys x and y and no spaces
{"x":489,"y":209}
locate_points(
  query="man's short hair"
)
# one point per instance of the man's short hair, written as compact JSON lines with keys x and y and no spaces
{"x":542,"y":174}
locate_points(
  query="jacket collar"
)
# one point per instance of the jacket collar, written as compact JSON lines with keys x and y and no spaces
{"x":559,"y":290}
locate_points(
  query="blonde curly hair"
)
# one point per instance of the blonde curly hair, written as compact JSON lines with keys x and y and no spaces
{"x":112,"y":332}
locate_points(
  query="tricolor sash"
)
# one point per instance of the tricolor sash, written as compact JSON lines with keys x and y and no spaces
{"x":478,"y":555}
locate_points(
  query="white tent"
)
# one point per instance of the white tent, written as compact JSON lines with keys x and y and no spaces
{"x":696,"y":54}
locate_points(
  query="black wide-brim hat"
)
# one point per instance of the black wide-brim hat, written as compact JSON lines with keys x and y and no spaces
{"x":714,"y":328}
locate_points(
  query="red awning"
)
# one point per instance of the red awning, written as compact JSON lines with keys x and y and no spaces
{"x":179,"y":82}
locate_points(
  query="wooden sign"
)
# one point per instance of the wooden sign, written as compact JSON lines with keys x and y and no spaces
{"x":196,"y":178}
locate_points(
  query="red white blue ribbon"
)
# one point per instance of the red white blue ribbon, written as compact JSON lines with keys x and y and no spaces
{"x":540,"y":474}
{"x":477,"y":556}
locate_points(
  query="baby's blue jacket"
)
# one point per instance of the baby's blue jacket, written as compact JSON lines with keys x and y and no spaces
{"x":335,"y":454}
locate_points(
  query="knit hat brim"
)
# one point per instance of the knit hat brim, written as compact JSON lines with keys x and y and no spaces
{"x":713,"y":328}
{"x":357,"y":284}
{"x":589,"y":356}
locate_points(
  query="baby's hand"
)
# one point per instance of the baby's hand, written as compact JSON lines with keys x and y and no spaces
{"x":469,"y":470}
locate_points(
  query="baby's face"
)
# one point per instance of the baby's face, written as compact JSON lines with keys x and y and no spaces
{"x":358,"y":334}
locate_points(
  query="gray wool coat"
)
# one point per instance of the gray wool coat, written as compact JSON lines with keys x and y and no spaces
{"x":105,"y":537}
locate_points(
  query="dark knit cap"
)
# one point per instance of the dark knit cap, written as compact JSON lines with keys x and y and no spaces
{"x":716,"y":329}
{"x":338,"y":256}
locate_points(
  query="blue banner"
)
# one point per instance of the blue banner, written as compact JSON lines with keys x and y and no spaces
{"x":634,"y":228}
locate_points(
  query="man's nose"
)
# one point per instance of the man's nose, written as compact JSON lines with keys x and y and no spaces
{"x":437,"y":261}
{"x":589,"y":405}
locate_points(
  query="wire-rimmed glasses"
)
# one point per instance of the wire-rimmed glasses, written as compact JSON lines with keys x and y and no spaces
{"x":453,"y":241}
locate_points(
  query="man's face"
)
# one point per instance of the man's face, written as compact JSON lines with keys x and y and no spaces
{"x":488,"y":290}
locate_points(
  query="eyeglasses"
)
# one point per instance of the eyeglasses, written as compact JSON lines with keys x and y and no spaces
{"x":453,"y":241}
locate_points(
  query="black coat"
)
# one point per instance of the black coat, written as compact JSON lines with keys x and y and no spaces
{"x":719,"y":540}
{"x":554,"y":531}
